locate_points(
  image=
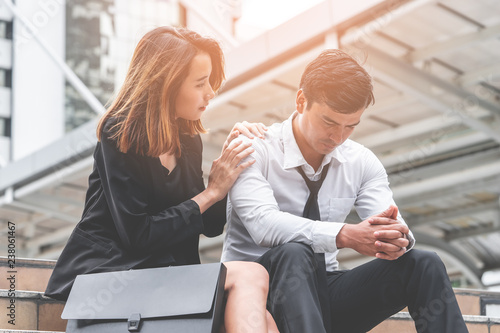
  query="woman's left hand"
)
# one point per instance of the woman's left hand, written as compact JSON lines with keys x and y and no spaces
{"x":250,"y":130}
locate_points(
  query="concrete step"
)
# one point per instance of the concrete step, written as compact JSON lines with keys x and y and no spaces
{"x":31,"y":311}
{"x":30,"y":274}
{"x":403,"y":323}
{"x":478,"y":302}
{"x":36,"y":312}
{"x":474,"y":305}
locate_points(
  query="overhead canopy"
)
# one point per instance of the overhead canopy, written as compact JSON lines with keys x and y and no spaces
{"x":435,"y":125}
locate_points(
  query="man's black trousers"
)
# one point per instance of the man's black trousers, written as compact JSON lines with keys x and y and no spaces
{"x":362,"y":297}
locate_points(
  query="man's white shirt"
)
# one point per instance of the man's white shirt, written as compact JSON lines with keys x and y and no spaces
{"x":266,"y":202}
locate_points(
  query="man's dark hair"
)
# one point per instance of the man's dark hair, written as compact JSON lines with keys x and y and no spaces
{"x":337,"y":80}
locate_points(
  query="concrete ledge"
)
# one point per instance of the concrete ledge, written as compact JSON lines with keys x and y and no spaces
{"x":25,"y":294}
{"x":30,"y":274}
{"x":31,"y":311}
{"x":477,"y":292}
{"x":467,"y":318}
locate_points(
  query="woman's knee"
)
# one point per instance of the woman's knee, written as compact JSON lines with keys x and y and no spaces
{"x":247,"y":275}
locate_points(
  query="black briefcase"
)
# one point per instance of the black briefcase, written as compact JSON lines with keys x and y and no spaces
{"x":180,"y":299}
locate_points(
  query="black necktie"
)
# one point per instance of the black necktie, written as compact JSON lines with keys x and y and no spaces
{"x":311,"y":211}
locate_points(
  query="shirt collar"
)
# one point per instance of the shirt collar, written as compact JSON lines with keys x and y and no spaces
{"x":293,"y":156}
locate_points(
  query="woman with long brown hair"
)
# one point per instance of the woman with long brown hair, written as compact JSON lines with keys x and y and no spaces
{"x":147,"y":203}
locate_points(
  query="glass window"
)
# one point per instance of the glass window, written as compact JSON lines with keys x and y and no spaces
{"x":5,"y":78}
{"x":3,"y":29}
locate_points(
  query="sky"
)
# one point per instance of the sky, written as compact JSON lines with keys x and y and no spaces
{"x":261,"y":15}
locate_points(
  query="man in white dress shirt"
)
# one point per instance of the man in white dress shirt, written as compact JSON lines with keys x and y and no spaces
{"x":270,"y":222}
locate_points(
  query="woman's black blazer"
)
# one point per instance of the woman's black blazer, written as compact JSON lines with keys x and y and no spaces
{"x":135,"y":216}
